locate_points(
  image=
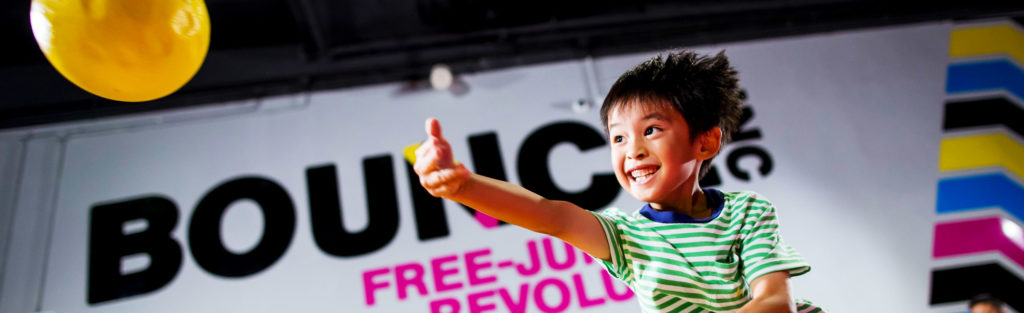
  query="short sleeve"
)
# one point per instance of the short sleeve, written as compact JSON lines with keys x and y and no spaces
{"x":763,"y":250}
{"x":618,"y":265}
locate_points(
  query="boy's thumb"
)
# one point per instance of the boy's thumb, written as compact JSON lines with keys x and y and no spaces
{"x":433,"y":127}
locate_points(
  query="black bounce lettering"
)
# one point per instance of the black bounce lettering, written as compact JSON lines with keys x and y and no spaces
{"x":204,"y":230}
{"x":382,"y":209}
{"x":740,"y":134}
{"x":108,"y":244}
{"x":535,"y":172}
{"x":734,"y":159}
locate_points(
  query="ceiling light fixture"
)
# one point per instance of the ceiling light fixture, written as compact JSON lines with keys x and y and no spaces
{"x":441,"y":77}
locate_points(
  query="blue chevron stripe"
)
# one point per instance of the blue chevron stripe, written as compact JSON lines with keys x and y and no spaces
{"x":958,"y":194}
{"x":985,"y":75}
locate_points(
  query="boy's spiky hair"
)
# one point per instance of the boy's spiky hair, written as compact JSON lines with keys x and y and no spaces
{"x":987,"y":299}
{"x":704,"y":89}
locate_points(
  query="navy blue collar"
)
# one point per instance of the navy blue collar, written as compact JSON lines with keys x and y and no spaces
{"x":715,"y":200}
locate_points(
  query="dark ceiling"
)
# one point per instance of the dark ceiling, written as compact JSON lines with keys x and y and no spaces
{"x":268,"y":47}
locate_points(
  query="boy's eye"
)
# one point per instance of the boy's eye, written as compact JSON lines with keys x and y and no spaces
{"x":650,"y":130}
{"x":617,"y":139}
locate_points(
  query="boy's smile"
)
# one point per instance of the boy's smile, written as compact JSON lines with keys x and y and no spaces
{"x":653,"y":156}
{"x":641,"y":174}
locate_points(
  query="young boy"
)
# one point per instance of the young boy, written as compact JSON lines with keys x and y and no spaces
{"x":689,"y":249}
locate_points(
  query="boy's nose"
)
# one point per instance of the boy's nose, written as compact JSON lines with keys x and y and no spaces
{"x":636,"y":152}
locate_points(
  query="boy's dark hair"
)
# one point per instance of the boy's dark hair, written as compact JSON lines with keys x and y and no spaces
{"x":704,"y":89}
{"x":987,"y":299}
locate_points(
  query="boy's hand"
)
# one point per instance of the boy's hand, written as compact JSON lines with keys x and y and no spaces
{"x":436,"y":166}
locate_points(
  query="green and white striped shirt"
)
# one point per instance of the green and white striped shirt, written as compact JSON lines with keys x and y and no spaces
{"x":687,"y":265}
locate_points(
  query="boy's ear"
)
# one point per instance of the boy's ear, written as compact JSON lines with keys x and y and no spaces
{"x":709,"y":143}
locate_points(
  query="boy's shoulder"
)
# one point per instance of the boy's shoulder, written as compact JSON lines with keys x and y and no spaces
{"x":613,"y":212}
{"x":745,"y":203}
{"x":744,"y":197}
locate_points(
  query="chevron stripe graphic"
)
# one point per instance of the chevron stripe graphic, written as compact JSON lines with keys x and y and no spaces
{"x":967,"y":152}
{"x":997,"y":235}
{"x":983,"y":112}
{"x":967,"y":193}
{"x":963,"y":283}
{"x":1000,"y":39}
{"x":979,"y":235}
{"x":985,"y":75}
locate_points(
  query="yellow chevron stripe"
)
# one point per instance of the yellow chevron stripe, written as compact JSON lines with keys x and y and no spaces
{"x":987,"y":40}
{"x":961,"y":153}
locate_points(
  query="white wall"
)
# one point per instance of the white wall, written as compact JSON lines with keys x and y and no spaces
{"x":10,"y":165}
{"x":29,"y":223}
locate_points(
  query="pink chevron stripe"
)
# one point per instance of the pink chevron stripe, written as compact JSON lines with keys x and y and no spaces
{"x":486,"y":220}
{"x":980,"y":235}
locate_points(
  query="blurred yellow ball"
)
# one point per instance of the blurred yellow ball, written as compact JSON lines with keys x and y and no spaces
{"x":125,"y":50}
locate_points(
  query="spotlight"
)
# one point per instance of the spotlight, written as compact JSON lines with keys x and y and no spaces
{"x":441,"y":77}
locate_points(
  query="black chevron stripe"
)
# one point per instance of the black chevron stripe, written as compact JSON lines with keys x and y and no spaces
{"x":981,"y":112}
{"x":963,"y":283}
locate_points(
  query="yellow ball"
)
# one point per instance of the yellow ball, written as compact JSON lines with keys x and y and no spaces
{"x":126,"y":50}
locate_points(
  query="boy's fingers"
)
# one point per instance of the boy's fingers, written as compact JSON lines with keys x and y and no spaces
{"x":421,"y":151}
{"x":433,"y":151}
{"x":439,"y":150}
{"x":435,"y":179}
{"x":433,"y":154}
{"x":442,"y":191}
{"x":421,"y":167}
{"x":431,"y":182}
{"x":433,"y":128}
{"x":453,"y":174}
{"x":425,"y":160}
{"x":444,"y":177}
{"x":444,"y":182}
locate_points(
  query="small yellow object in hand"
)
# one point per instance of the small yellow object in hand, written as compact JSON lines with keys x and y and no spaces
{"x":410,"y":153}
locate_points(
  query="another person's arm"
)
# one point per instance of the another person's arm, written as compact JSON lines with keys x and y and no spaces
{"x":443,"y":177}
{"x":771,"y":294}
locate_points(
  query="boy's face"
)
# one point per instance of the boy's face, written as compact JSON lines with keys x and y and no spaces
{"x":652,"y":154}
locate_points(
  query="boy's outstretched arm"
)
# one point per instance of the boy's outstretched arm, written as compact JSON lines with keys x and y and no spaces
{"x":443,"y":177}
